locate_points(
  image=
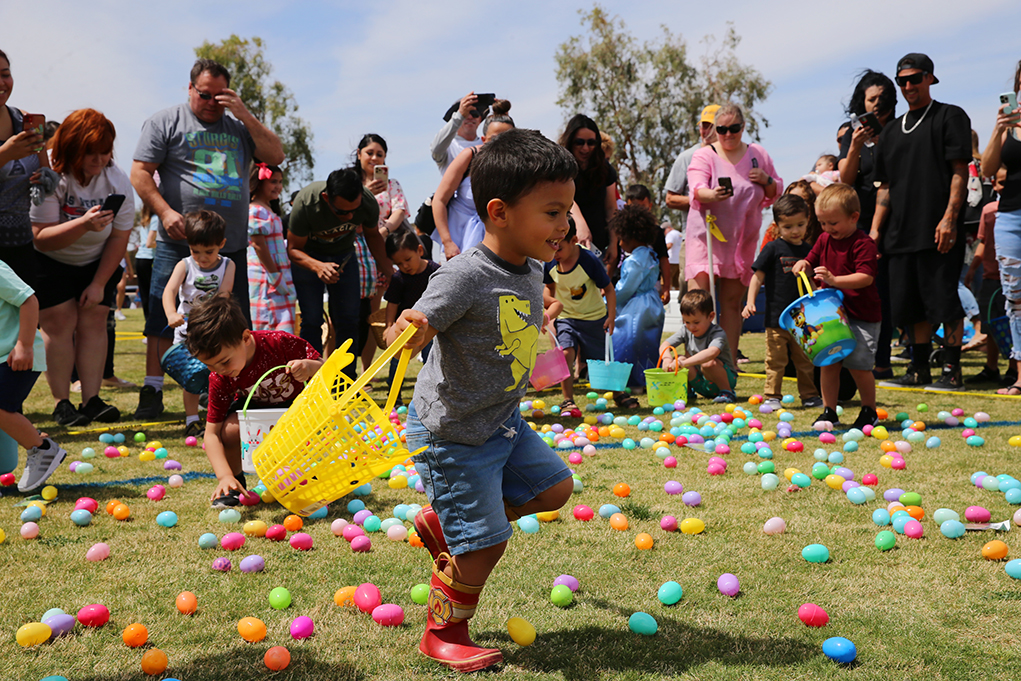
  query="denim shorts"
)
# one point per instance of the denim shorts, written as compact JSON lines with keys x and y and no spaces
{"x":587,"y":336}
{"x":467,"y":485}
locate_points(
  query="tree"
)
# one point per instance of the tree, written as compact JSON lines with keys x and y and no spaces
{"x":648,"y":97}
{"x":270,"y":101}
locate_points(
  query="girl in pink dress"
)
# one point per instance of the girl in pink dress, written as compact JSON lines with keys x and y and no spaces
{"x":738,"y":213}
{"x":270,"y":287}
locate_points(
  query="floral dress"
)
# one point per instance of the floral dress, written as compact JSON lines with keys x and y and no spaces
{"x":271,"y":296}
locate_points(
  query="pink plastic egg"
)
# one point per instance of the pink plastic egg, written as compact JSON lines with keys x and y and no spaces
{"x":827,"y":438}
{"x":87,"y":503}
{"x":232,"y":541}
{"x":977,"y":514}
{"x":589,"y":450}
{"x":867,"y":429}
{"x":302,"y":627}
{"x":301,"y":541}
{"x":913,"y":529}
{"x":29,"y":530}
{"x":73,"y":466}
{"x":276,"y":533}
{"x":673,"y":487}
{"x":388,"y":615}
{"x":796,"y":446}
{"x":728,"y":584}
{"x":775,"y":526}
{"x":716,"y":469}
{"x":754,"y":423}
{"x":812,"y":615}
{"x":175,"y":481}
{"x":361,"y":544}
{"x":337,"y":527}
{"x":967,"y":432}
{"x":396,"y":533}
{"x":94,"y":615}
{"x":112,"y":452}
{"x":583,"y":512}
{"x":249,"y":498}
{"x":222,"y":564}
{"x":723,"y":449}
{"x":898,"y":464}
{"x":717,"y":460}
{"x":668,"y":523}
{"x":352,"y":531}
{"x":98,"y":552}
{"x":191,"y":441}
{"x":670,"y":462}
{"x":367,"y":597}
{"x":574,"y":457}
{"x":870,"y":479}
{"x":957,"y":411}
{"x":156,"y":493}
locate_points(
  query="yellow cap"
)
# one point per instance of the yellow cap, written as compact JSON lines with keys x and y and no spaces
{"x":709,"y":113}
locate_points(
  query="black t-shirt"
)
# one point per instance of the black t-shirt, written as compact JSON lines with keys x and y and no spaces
{"x":659,"y":245}
{"x":406,"y":289}
{"x":592,"y":202}
{"x":864,"y":182}
{"x":1010,"y":156}
{"x":918,"y":167}
{"x":776,"y":259}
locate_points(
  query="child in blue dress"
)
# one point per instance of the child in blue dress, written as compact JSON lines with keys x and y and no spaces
{"x":639,"y":324}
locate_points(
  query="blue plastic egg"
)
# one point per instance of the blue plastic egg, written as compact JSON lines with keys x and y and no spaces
{"x":628,"y":443}
{"x":899,"y":522}
{"x":801,"y":480}
{"x":670,"y":593}
{"x":1013,"y":496}
{"x":208,"y":541}
{"x":634,"y":420}
{"x":1013,"y":568}
{"x":31,"y":514}
{"x":371,"y":524}
{"x":765,"y":453}
{"x":606,"y":510}
{"x":933,"y":442}
{"x":166,"y":519}
{"x":952,"y":529}
{"x":970,"y":423}
{"x":363,"y":490}
{"x":401,"y":512}
{"x":850,"y":446}
{"x":787,"y":399}
{"x":815,"y":553}
{"x":642,"y":623}
{"x":856,"y":495}
{"x":880,"y":516}
{"x":975,"y":441}
{"x":355,"y":505}
{"x":839,"y":649}
{"x":319,"y":514}
{"x":528,"y":524}
{"x":118,"y":438}
{"x":81,"y":517}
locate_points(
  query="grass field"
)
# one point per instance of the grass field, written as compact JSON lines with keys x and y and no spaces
{"x":931,"y":608}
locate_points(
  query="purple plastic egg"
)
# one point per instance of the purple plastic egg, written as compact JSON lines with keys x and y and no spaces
{"x":361,"y":544}
{"x":845,"y":473}
{"x":728,"y":584}
{"x":893,"y":494}
{"x":253,"y":564}
{"x":302,"y":627}
{"x":232,"y":541}
{"x":673,"y":487}
{"x":951,"y":421}
{"x":361,"y":515}
{"x":568,"y":581}
{"x":171,"y":465}
{"x":72,"y":467}
{"x":222,"y":564}
{"x":301,"y":541}
{"x":388,"y":615}
{"x":695,"y":439}
{"x":62,"y":625}
{"x":848,"y":484}
{"x":691,"y":498}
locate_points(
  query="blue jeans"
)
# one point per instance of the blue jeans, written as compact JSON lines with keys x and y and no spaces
{"x":1007,"y":234}
{"x":345,"y":303}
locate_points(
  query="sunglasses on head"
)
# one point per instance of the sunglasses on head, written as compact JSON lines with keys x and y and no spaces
{"x":584,"y":143}
{"x":733,"y":129}
{"x":914,"y":79}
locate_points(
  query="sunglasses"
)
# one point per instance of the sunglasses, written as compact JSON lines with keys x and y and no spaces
{"x":914,"y":79}
{"x":205,"y":96}
{"x":584,"y":143}
{"x":733,"y":128}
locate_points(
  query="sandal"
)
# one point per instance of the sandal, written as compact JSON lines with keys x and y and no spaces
{"x":625,"y":401}
{"x":568,"y":405}
{"x":1012,"y":391}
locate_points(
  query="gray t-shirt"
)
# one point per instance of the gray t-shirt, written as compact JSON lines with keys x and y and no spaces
{"x":677,"y":181}
{"x":715,"y":337}
{"x":488,"y":313}
{"x":201,"y":166}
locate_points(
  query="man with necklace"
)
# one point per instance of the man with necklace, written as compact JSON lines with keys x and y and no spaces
{"x":922,"y":165}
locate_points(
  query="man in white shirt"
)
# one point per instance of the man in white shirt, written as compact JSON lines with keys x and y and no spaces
{"x":674,"y":244}
{"x":459,"y":132}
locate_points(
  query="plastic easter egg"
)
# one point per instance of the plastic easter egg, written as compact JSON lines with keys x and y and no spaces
{"x":175,"y":481}
{"x":607,"y":510}
{"x":1013,"y":568}
{"x":277,"y":658}
{"x":643,"y":624}
{"x":253,"y":564}
{"x":668,"y":523}
{"x":886,"y":540}
{"x":252,"y":629}
{"x":154,"y":662}
{"x":232,"y":541}
{"x":567,"y":580}
{"x":583,"y":513}
{"x":367,"y":597}
{"x":88,"y":453}
{"x":186,"y":603}
{"x":255,"y":528}
{"x":881,"y":517}
{"x":106,"y":438}
{"x":345,"y":596}
{"x":388,"y":615}
{"x":60,"y":625}
{"x":166,"y":519}
{"x":644,"y":541}
{"x":812,"y":615}
{"x":97,"y":552}
{"x":673,"y":487}
{"x":977,"y":514}
{"x":670,"y":593}
{"x":561,"y":596}
{"x":222,"y":564}
{"x":397,"y":533}
{"x":230,"y":516}
{"x":815,"y":553}
{"x":420,"y":594}
{"x":839,"y":649}
{"x":692,"y":526}
{"x":801,"y":480}
{"x":914,"y":529}
{"x":528,"y":524}
{"x":156,"y":493}
{"x":621,"y":489}
{"x":207,"y":541}
{"x":856,"y":496}
{"x":279,"y":598}
{"x":31,"y":514}
{"x":952,"y":529}
{"x":728,"y":584}
{"x":302,"y":627}
{"x":521,"y":631}
{"x":94,"y":615}
{"x":775,"y":525}
{"x":944,"y":514}
{"x":691,"y":498}
{"x":1013,"y":496}
{"x":135,"y":635}
{"x":361,"y":544}
{"x":276,"y":533}
{"x":33,"y":634}
{"x":994,"y":550}
{"x":351,"y":531}
{"x":770,"y":482}
{"x":301,"y":541}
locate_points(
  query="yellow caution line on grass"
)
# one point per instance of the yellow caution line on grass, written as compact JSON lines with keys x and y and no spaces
{"x":969,"y":393}
{"x":128,"y":335}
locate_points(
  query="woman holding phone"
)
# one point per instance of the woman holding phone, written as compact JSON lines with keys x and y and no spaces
{"x":733,"y":181}
{"x":81,"y":233}
{"x":595,"y":188}
{"x":21,"y":157}
{"x":1004,"y":149}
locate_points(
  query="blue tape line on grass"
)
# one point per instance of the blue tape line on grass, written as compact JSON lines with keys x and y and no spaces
{"x":137,"y":481}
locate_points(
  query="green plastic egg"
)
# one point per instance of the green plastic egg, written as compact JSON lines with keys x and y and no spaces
{"x":886,"y":540}
{"x":561,"y":596}
{"x":911,"y":499}
{"x":642,"y":623}
{"x":420,"y":593}
{"x":279,"y":598}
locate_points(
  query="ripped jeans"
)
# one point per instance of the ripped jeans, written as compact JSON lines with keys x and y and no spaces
{"x":1007,"y":234}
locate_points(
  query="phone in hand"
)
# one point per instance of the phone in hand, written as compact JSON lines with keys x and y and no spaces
{"x":381,"y":173}
{"x":114,"y":203}
{"x":34,"y":123}
{"x":871,"y":121}
{"x":1008,"y":102}
{"x":727,"y":184}
{"x":484,"y":101}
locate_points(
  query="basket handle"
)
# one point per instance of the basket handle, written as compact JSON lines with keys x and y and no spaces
{"x":677,"y":360}
{"x":992,"y":299}
{"x":608,"y":349}
{"x":244,"y":410}
{"x":553,"y":336}
{"x":388,"y":354}
{"x":806,"y":288}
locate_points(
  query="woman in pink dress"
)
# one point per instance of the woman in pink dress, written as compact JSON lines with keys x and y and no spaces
{"x":737,"y":211}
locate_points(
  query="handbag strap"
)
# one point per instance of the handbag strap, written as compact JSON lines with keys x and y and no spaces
{"x":677,"y":359}
{"x":553,"y":337}
{"x":992,"y":299}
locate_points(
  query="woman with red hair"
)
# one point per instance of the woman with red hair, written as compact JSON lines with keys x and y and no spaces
{"x":80,"y":248}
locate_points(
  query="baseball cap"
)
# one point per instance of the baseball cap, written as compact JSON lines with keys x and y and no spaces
{"x":917,"y":60}
{"x":709,"y":113}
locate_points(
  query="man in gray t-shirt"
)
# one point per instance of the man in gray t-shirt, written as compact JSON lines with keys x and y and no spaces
{"x":203,"y":160}
{"x":677,"y":182}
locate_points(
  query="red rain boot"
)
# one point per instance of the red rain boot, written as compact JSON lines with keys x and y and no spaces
{"x":446,"y":639}
{"x":427,"y":524}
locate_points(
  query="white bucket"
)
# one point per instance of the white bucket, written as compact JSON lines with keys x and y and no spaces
{"x":254,"y":424}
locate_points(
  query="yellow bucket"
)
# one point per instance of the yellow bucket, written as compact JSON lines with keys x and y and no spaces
{"x":666,"y":387}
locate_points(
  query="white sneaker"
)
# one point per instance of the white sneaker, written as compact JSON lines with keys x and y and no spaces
{"x":40,"y":465}
{"x":774,"y":403}
{"x":119,"y":316}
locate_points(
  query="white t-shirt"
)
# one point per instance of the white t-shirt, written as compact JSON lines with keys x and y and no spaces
{"x":71,"y":200}
{"x":674,"y":241}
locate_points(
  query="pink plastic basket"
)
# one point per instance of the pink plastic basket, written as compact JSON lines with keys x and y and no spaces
{"x":551,"y":366}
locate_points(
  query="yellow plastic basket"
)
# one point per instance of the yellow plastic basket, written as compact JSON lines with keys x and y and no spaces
{"x":333,"y":438}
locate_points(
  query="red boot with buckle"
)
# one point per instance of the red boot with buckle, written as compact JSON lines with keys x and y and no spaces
{"x":427,"y":524}
{"x":446,"y":640}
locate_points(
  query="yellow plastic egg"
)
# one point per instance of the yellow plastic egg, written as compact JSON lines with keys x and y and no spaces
{"x":880,"y":433}
{"x":255,"y":528}
{"x":154,"y":445}
{"x":33,"y":633}
{"x":547,"y":428}
{"x":787,"y":441}
{"x":1014,"y":441}
{"x":49,"y":493}
{"x":3,"y":536}
{"x":729,"y":409}
{"x":591,"y":419}
{"x":538,"y":404}
{"x":397,"y":482}
{"x":124,"y":451}
{"x":692,"y":526}
{"x":834,"y":481}
{"x":789,"y":473}
{"x":147,"y":456}
{"x":886,"y":461}
{"x":548,"y":516}
{"x":267,"y":497}
{"x":521,"y":631}
{"x":768,"y":435}
{"x":531,"y":424}
{"x":38,"y":504}
{"x":608,"y":396}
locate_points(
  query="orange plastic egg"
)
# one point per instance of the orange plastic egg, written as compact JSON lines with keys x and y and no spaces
{"x":915,"y":512}
{"x":882,"y":414}
{"x":667,"y":438}
{"x":593,"y":437}
{"x":121,"y":512}
{"x":644,"y":541}
{"x":622,"y":489}
{"x":345,"y":596}
{"x":112,"y":504}
{"x":154,"y":662}
{"x":415,"y":540}
{"x":135,"y":635}
{"x":252,"y":629}
{"x":888,"y":446}
{"x":618,"y":522}
{"x":994,"y":550}
{"x":293,"y":523}
{"x":187,"y":603}
{"x":277,"y":658}
{"x":603,"y":431}
{"x":918,"y":425}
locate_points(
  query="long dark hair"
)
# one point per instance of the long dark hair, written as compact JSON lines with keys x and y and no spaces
{"x":595,"y":174}
{"x":365,"y":141}
{"x":869,"y":78}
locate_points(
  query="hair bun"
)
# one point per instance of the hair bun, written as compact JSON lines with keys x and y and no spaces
{"x":501,"y":107}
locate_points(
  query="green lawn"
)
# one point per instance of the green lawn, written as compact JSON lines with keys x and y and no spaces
{"x":928,"y":609}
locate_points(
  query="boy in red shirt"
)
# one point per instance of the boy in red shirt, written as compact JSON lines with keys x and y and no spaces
{"x":237,"y":358}
{"x":844,"y":258}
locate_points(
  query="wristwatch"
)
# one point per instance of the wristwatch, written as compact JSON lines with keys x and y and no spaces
{"x":769,"y":180}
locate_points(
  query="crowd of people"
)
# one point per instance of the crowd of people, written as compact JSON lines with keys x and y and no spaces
{"x":225,"y":270}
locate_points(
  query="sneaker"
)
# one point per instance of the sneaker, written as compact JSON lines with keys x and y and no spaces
{"x":233,"y":497}
{"x":119,"y":316}
{"x":987,"y":375}
{"x":828,"y":415}
{"x":911,"y":379}
{"x":866,"y":417}
{"x":98,"y":410}
{"x":773,"y":403}
{"x":150,"y":403}
{"x":950,"y":381}
{"x":725,"y":397}
{"x":42,"y":461}
{"x":882,"y":374}
{"x":195,"y":429}
{"x":812,"y":402}
{"x":66,"y":415}
{"x":902,"y":357}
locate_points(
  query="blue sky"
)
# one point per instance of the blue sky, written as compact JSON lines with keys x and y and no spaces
{"x":393,"y":68}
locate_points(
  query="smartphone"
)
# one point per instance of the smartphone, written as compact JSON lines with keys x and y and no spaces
{"x":34,"y":123}
{"x":1008,"y":101}
{"x":871,"y":121}
{"x":485,"y":101}
{"x":726,"y":183}
{"x":114,"y":203}
{"x":381,"y":173}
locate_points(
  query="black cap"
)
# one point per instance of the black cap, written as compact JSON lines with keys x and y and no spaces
{"x":917,"y":60}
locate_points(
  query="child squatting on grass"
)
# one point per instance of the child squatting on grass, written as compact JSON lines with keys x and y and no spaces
{"x":845,"y":258}
{"x":481,"y":465}
{"x":711,"y":369}
{"x":237,"y":358}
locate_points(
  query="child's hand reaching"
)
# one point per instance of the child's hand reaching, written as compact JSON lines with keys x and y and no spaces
{"x":748,"y":311}
{"x":224,"y":485}
{"x":825,"y":276}
{"x":303,"y":369}
{"x":175,"y":320}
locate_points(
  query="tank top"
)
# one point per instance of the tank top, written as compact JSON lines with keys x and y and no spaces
{"x":198,"y":285}
{"x":15,"y":225}
{"x":1010,"y":156}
